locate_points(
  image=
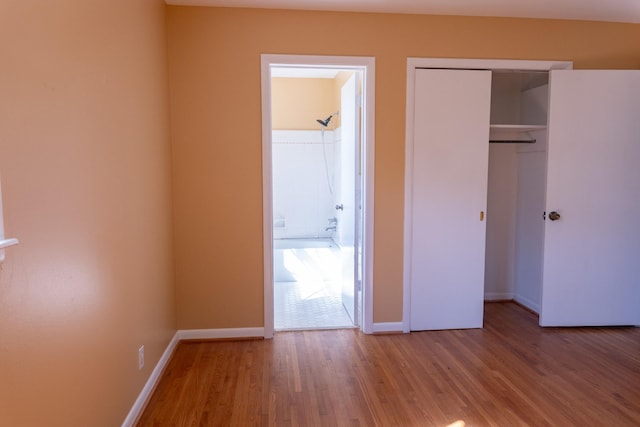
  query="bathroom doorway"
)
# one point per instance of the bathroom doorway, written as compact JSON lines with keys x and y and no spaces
{"x":317,"y":158}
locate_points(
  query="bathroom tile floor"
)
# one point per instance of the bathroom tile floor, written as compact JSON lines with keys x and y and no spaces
{"x":308,"y":288}
{"x":300,"y":305}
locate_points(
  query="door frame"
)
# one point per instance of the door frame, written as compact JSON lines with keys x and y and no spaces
{"x":455,"y":63}
{"x":367,"y":66}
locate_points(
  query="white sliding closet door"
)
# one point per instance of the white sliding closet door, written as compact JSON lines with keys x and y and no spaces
{"x":449,"y":192}
{"x":592,"y":253}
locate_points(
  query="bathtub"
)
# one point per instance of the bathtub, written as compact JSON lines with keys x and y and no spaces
{"x":304,"y":243}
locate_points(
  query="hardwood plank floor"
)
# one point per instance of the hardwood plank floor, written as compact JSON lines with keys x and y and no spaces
{"x":510,"y":373}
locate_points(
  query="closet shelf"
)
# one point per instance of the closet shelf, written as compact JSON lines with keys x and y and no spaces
{"x":516,"y":128}
{"x":513,"y":133}
{"x":8,"y":242}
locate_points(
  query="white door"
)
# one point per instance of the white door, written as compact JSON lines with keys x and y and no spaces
{"x":349,"y":193}
{"x":449,"y":192}
{"x":592,"y":252}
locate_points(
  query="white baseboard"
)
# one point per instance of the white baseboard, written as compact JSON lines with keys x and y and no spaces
{"x":210,"y":334}
{"x":498,"y":296}
{"x":148,"y":388}
{"x":387,"y":327}
{"x":531,"y":305}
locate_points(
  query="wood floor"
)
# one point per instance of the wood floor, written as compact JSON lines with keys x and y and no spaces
{"x":510,"y":373}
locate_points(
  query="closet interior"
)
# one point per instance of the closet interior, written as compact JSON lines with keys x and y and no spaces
{"x":516,"y":187}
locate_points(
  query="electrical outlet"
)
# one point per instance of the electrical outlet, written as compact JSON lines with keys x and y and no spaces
{"x":141,"y":358}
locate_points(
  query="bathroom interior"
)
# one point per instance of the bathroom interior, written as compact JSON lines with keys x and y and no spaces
{"x":316,"y":182}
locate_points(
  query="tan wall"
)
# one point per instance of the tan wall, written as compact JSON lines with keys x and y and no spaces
{"x":341,"y":78}
{"x":85,"y":167}
{"x":296,"y":103}
{"x":214,"y":61}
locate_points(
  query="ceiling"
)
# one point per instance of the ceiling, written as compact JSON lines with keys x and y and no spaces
{"x":590,"y":10}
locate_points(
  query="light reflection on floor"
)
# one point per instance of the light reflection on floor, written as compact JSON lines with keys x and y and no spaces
{"x":308,"y":285}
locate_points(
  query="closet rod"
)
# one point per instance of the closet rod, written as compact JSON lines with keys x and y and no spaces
{"x":512,"y":141}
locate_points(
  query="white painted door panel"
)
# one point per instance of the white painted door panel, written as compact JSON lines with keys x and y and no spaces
{"x":349,"y":216}
{"x":449,"y":191}
{"x":592,"y":253}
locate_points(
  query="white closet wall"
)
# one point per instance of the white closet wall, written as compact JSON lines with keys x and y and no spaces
{"x":501,"y":222}
{"x":515,"y":197}
{"x":302,"y":202}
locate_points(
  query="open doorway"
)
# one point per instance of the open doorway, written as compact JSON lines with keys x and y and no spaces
{"x":317,"y":158}
{"x":316,"y":181}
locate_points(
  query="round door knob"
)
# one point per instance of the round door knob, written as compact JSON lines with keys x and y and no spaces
{"x":554,"y":216}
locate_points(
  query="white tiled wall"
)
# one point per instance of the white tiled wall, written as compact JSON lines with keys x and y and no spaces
{"x":302,"y":202}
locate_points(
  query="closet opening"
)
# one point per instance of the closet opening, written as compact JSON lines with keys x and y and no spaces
{"x":476,"y":150}
{"x":462,"y":249}
{"x":516,"y":187}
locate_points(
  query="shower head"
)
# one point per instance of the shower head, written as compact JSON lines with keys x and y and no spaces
{"x":326,"y":121}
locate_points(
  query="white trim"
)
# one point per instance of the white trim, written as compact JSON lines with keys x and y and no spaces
{"x":412,"y":65}
{"x":368,"y":137}
{"x":498,"y":296}
{"x":367,"y":65}
{"x":150,"y":385}
{"x":408,"y":194}
{"x":383,"y":327}
{"x":5,"y":243}
{"x":267,"y":197}
{"x":213,"y":334}
{"x":489,"y":64}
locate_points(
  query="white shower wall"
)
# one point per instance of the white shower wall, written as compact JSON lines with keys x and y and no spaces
{"x":302,"y":202}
